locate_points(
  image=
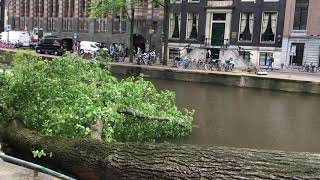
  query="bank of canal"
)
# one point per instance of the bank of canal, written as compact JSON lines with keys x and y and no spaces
{"x":279,"y":82}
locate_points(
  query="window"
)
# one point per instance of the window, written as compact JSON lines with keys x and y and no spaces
{"x":193,"y":1}
{"x":193,"y":25}
{"x":82,"y":8}
{"x":87,"y":6}
{"x":36,"y":8}
{"x":66,"y":8}
{"x":83,"y":25}
{"x":27,"y":8}
{"x":246,"y":55}
{"x":246,"y":26}
{"x":143,"y":3}
{"x":301,"y":15}
{"x":101,"y":25}
{"x":50,"y":8}
{"x":57,"y":8}
{"x":41,"y":8}
{"x":175,"y":1}
{"x":219,"y":17}
{"x":22,"y":9}
{"x":174,"y":52}
{"x":174,"y":28}
{"x":264,"y":58}
{"x":269,"y":26}
{"x":71,"y":11}
{"x":119,"y":23}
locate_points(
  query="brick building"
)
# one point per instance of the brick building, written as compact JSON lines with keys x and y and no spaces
{"x":257,"y":27}
{"x":66,"y":17}
{"x":301,"y":41}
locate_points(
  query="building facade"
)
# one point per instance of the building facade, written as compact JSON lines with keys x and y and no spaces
{"x":67,"y":17}
{"x":202,"y":23}
{"x":2,"y":15}
{"x":301,"y":42}
{"x":186,"y":24}
{"x":257,"y":30}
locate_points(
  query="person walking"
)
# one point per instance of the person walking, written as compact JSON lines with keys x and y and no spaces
{"x":270,"y":62}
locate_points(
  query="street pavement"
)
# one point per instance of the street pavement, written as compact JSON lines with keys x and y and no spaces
{"x":276,"y":74}
{"x":290,"y":74}
{"x":10,"y":171}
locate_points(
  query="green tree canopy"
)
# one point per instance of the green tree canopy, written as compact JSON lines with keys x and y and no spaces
{"x":67,"y":96}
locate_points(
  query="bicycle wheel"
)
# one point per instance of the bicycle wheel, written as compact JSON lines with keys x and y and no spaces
{"x":207,"y":67}
{"x":180,"y":65}
{"x":227,"y":68}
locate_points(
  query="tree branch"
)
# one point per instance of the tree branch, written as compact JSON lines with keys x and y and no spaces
{"x":142,"y":116}
{"x":159,"y":3}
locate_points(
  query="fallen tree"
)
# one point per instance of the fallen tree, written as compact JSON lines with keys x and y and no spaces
{"x":91,"y":159}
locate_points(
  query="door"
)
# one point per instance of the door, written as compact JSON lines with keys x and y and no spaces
{"x":217,"y":37}
{"x":297,"y":59}
{"x":215,"y":53}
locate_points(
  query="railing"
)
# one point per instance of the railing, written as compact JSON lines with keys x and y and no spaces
{"x":36,"y":168}
{"x":249,"y":64}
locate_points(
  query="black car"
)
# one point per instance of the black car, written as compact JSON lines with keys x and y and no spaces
{"x":56,"y":45}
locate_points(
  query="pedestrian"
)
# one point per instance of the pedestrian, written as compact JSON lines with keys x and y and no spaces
{"x":209,"y":54}
{"x":147,"y":47}
{"x":270,"y":62}
{"x":139,"y":51}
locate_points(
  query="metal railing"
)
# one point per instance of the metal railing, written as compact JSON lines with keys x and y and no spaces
{"x":36,"y":168}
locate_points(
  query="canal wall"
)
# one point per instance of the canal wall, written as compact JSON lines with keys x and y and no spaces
{"x":242,"y":80}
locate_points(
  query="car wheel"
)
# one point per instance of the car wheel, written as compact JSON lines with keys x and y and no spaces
{"x":81,"y":51}
{"x":39,"y":51}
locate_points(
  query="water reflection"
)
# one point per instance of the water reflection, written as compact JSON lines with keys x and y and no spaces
{"x":229,"y":116}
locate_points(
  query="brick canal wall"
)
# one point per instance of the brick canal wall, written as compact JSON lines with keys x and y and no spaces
{"x":244,"y":80}
{"x":219,"y":78}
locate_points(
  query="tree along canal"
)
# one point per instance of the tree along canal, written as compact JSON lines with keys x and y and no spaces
{"x":249,"y":118}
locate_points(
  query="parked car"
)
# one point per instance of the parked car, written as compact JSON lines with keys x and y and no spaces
{"x":17,"y":38}
{"x":56,"y":45}
{"x":90,"y":47}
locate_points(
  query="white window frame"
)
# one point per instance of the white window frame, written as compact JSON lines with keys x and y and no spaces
{"x":261,"y":28}
{"x":246,"y":41}
{"x":187,"y":29}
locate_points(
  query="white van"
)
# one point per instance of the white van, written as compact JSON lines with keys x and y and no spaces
{"x":89,"y":47}
{"x":19,"y":38}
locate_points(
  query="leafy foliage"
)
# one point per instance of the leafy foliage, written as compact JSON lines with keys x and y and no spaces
{"x":66,"y":96}
{"x":100,"y":8}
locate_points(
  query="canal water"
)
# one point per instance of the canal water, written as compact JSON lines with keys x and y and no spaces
{"x":249,"y":118}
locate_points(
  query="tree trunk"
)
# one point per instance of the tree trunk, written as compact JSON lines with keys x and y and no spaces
{"x":90,"y":159}
{"x":166,"y":16}
{"x":131,"y":34}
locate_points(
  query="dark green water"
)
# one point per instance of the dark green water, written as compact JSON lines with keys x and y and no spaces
{"x":250,"y":118}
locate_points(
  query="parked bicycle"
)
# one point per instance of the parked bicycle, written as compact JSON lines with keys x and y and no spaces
{"x":183,"y":63}
{"x":213,"y":64}
{"x":229,"y":65}
{"x":199,"y":64}
{"x":309,"y":67}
